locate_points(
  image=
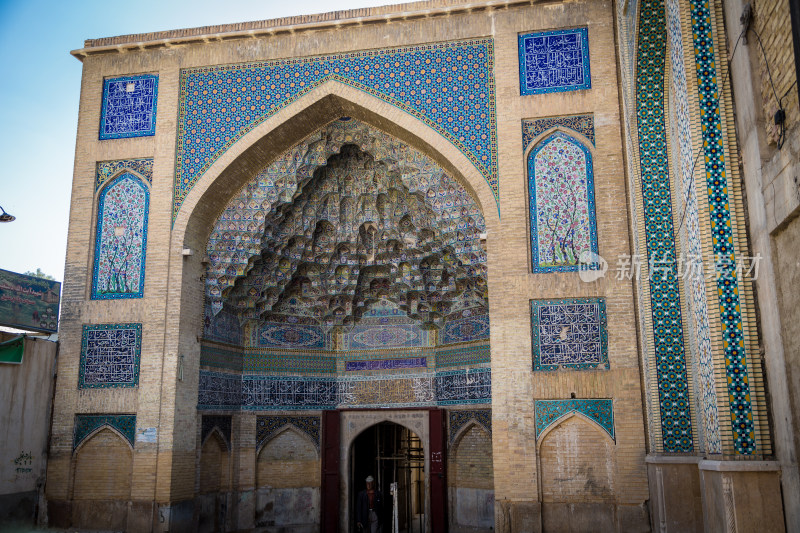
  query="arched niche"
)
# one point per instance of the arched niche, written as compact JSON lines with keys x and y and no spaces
{"x":576,"y":458}
{"x":103,"y":466}
{"x":470,"y":478}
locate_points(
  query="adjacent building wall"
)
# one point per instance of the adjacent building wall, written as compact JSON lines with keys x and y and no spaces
{"x":26,"y":395}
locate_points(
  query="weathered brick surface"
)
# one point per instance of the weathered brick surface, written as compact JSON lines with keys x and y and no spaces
{"x":470,"y":463}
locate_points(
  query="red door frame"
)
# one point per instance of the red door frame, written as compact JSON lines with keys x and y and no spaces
{"x":331,"y":482}
{"x":438,"y":477}
{"x":330,"y":472}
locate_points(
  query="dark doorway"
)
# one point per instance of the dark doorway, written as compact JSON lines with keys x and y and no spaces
{"x":390,"y":453}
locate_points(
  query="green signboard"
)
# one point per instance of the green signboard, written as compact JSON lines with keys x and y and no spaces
{"x":29,"y":303}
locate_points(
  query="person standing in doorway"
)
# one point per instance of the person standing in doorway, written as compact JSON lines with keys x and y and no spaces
{"x":369,"y":508}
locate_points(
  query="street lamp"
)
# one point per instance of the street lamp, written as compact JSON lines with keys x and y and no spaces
{"x":5,"y":217}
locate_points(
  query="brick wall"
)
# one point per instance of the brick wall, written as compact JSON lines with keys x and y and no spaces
{"x":103,"y":468}
{"x":471,"y":460}
{"x":577,"y":463}
{"x":773,"y":22}
{"x":214,"y":465}
{"x":288,"y":461}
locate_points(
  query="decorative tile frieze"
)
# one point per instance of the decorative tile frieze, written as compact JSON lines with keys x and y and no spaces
{"x":269,"y":426}
{"x":458,"y":418}
{"x":86,"y":425}
{"x":549,"y":412}
{"x":464,"y":386}
{"x":106,"y":170}
{"x":532,"y":128}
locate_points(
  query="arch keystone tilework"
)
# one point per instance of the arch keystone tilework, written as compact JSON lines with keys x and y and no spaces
{"x":550,"y":412}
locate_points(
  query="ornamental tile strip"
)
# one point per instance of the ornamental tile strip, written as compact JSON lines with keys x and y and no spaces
{"x":469,"y":355}
{"x":129,"y":107}
{"x":449,"y":86}
{"x":110,"y":355}
{"x":458,"y":418}
{"x":302,"y":363}
{"x":548,"y":412}
{"x":268,"y":426}
{"x":386,"y":364}
{"x":563,"y":224}
{"x":87,"y":424}
{"x":698,"y":305}
{"x":673,"y":387}
{"x":121,"y":239}
{"x":412,"y":390}
{"x":220,"y":422}
{"x":554,"y":61}
{"x":569,"y":333}
{"x":105,"y":170}
{"x":532,"y":128}
{"x":720,"y":215}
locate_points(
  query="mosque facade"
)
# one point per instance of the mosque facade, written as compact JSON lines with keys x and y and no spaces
{"x":514,"y":259}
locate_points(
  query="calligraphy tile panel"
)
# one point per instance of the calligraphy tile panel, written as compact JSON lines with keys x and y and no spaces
{"x":219,"y":390}
{"x":464,"y":386}
{"x":287,"y":392}
{"x":121,"y":239}
{"x":129,"y":107}
{"x":110,"y":355}
{"x":569,"y":333}
{"x":554,"y":61}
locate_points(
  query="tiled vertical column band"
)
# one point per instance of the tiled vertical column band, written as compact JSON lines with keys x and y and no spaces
{"x":673,"y":389}
{"x":724,"y":250}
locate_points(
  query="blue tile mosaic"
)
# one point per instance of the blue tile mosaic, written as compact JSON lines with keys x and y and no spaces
{"x":386,"y":364}
{"x":222,"y":423}
{"x":458,"y":418}
{"x":110,"y":355}
{"x":673,"y":386}
{"x":532,"y":128}
{"x":269,"y":426}
{"x":121,"y":239}
{"x":466,"y":329}
{"x":86,"y":425}
{"x":744,"y":440}
{"x":554,"y":61}
{"x":129,"y":107}
{"x":569,"y":333}
{"x":449,"y":86}
{"x":549,"y":412}
{"x":285,"y":335}
{"x":563,"y":225}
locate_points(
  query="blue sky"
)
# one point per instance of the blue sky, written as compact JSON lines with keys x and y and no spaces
{"x":39,"y":94}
